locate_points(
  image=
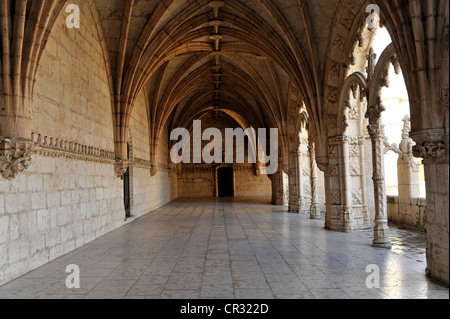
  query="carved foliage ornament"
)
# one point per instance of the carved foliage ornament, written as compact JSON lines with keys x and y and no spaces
{"x":15,"y":157}
{"x":121,"y":168}
{"x":11,"y":167}
{"x":374,"y":111}
{"x":430,"y":151}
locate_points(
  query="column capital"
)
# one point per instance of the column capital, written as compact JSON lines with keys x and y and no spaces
{"x":338,"y":140}
{"x":376,"y":130}
{"x":430,"y":144}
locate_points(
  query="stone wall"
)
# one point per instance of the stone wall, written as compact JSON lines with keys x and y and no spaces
{"x":248,"y":184}
{"x":437,"y":220}
{"x":412,"y":216}
{"x":148,"y":192}
{"x":199,"y":180}
{"x":193,"y":184}
{"x":201,"y":183}
{"x":54,"y":207}
{"x":70,"y":195}
{"x":72,"y":97}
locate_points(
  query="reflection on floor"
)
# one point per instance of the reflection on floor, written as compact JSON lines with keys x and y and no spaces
{"x":234,"y":248}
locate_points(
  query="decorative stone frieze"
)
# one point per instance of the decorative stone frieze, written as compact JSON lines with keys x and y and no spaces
{"x":56,"y":147}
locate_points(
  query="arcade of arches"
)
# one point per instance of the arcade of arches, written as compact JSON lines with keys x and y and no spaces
{"x":86,"y":114}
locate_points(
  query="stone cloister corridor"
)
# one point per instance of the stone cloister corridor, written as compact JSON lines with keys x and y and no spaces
{"x":224,"y":148}
{"x":240,"y":248}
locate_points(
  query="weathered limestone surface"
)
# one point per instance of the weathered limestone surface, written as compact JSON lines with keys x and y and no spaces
{"x":138,"y":69}
{"x":56,"y":206}
{"x":412,"y":215}
{"x":70,"y":194}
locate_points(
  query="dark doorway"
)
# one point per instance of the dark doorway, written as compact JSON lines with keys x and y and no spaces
{"x":225,"y":180}
{"x":127,"y":190}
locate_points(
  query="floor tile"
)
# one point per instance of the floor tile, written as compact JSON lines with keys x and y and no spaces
{"x":234,"y":248}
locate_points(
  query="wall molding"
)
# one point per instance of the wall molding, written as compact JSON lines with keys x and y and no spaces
{"x":49,"y":146}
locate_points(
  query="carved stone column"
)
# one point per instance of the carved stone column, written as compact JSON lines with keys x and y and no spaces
{"x":295,"y":196}
{"x":275,"y":180}
{"x":362,"y":172}
{"x":432,"y":146}
{"x":280,"y":184}
{"x":347,"y":217}
{"x":381,"y":230}
{"x":15,"y":156}
{"x":315,"y":209}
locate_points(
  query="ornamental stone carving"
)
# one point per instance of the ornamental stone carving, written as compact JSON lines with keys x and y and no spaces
{"x":357,"y":197}
{"x":335,"y":197}
{"x":292,"y":172}
{"x":354,"y":150}
{"x":430,"y":151}
{"x":430,"y":144}
{"x":307,"y":189}
{"x":333,"y":151}
{"x":306,"y":172}
{"x":332,"y":122}
{"x":353,"y":113}
{"x":120,"y":168}
{"x":15,"y":156}
{"x":355,"y":169}
{"x":374,"y":111}
{"x":334,"y":170}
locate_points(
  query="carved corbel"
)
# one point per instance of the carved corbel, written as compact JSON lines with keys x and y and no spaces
{"x":154,"y":170}
{"x":430,"y":145}
{"x":323,"y":163}
{"x":15,"y":156}
{"x":121,"y":167}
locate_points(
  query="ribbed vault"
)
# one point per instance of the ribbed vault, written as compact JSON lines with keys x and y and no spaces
{"x":192,"y":57}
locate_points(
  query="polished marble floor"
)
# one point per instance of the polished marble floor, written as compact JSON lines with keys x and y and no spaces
{"x":234,"y":249}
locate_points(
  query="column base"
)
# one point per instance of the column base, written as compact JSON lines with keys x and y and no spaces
{"x":315,"y":213}
{"x":381,"y":235}
{"x":382,"y":245}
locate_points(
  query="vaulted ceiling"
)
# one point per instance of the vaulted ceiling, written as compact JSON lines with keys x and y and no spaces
{"x":242,"y":58}
{"x":257,"y":61}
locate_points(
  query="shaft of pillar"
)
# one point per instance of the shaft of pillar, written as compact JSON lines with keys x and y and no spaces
{"x":295,"y":198}
{"x":347,"y":217}
{"x":381,"y":230}
{"x":315,"y":209}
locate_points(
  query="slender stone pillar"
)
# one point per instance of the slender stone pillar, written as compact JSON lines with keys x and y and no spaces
{"x":347,"y":217}
{"x":362,"y":172}
{"x":381,"y":230}
{"x":275,"y":180}
{"x":315,"y":209}
{"x":295,"y":196}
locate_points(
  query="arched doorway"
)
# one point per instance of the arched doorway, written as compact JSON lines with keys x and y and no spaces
{"x":225,"y":181}
{"x":127,"y":188}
